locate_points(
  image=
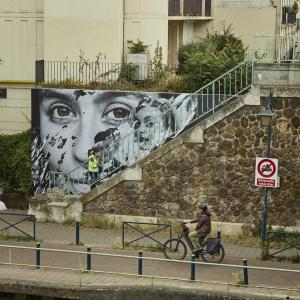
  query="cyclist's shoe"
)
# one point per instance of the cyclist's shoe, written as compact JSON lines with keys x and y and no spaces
{"x":197,"y":250}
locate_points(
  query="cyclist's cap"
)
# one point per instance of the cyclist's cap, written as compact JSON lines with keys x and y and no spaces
{"x":203,"y":205}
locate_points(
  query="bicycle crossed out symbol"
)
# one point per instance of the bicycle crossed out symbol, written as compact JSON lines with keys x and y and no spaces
{"x":266,"y":168}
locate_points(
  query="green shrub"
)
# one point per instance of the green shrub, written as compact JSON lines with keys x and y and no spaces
{"x":15,"y":166}
{"x":202,"y":61}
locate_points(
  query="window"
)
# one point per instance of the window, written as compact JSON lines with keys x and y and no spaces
{"x":3,"y":93}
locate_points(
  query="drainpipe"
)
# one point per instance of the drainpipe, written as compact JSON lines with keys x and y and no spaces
{"x":123,"y":33}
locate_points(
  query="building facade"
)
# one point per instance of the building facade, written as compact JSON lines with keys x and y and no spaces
{"x":70,"y":30}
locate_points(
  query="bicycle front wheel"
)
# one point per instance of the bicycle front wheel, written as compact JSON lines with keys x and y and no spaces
{"x":175,"y":249}
{"x":215,"y":257}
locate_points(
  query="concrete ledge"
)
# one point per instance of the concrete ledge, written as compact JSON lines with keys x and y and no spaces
{"x":137,"y":288}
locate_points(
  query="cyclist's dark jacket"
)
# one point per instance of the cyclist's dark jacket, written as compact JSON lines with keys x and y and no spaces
{"x":203,"y":223}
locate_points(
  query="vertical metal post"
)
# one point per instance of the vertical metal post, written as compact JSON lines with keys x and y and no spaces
{"x":193,"y":267}
{"x":77,"y":232}
{"x":123,"y":235}
{"x":245,"y":271}
{"x":265,"y":205}
{"x":219,"y":235}
{"x":88,"y":259}
{"x":140,"y":263}
{"x":34,"y":228}
{"x":38,"y":255}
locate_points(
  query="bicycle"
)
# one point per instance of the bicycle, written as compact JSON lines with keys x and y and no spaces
{"x":211,"y":251}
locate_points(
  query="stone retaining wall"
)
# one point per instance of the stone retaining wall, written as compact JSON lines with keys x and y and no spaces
{"x":219,"y":171}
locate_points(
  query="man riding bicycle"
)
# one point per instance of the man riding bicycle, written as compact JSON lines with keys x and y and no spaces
{"x":203,"y":226}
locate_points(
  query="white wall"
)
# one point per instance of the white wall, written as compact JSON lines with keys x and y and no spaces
{"x":21,"y":37}
{"x":91,"y":25}
{"x":15,"y":111}
{"x":246,"y":22}
{"x":148,"y":21}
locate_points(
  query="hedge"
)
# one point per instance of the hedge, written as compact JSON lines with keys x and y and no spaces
{"x":15,"y":162}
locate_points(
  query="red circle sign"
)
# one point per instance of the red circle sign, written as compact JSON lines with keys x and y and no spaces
{"x":266,"y":168}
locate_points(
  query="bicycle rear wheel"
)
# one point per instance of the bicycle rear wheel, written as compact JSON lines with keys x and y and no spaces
{"x":174,"y":249}
{"x":214,"y":257}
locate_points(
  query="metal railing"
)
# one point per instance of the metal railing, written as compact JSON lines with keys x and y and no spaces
{"x":277,"y":49}
{"x":92,"y":267}
{"x":126,"y":151}
{"x":103,"y":74}
{"x":10,"y":224}
{"x":143,"y":233}
{"x":189,"y":8}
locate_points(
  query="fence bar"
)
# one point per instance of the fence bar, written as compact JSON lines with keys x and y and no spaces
{"x":245,"y":271}
{"x":38,"y":255}
{"x":193,"y":267}
{"x":140,"y":263}
{"x":88,"y":259}
{"x":77,"y":233}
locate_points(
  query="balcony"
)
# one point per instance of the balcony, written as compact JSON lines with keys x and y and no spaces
{"x":190,"y":9}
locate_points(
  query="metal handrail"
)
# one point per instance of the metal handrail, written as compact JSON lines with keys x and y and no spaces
{"x":144,"y":258}
{"x":133,"y":147}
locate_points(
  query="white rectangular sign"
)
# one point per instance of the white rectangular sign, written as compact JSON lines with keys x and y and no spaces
{"x":266,"y":172}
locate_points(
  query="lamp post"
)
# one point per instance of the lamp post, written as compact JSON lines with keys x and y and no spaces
{"x":266,"y":120}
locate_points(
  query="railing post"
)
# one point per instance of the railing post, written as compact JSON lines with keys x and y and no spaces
{"x":193,"y":267}
{"x":140,"y":263}
{"x":245,"y":271}
{"x":123,"y":235}
{"x":38,"y":255}
{"x":88,"y":259}
{"x":77,"y":232}
{"x":34,"y":228}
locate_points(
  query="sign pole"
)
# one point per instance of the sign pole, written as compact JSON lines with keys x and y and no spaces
{"x":265,"y":250}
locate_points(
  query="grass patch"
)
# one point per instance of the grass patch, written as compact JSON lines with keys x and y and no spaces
{"x":6,"y":236}
{"x":97,"y":221}
{"x":238,"y":277}
{"x":137,"y":246}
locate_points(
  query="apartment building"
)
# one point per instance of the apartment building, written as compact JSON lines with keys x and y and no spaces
{"x":59,"y":30}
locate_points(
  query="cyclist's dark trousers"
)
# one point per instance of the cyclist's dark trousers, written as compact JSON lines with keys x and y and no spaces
{"x":201,"y":237}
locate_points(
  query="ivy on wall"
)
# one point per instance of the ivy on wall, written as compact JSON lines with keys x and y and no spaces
{"x":15,"y":166}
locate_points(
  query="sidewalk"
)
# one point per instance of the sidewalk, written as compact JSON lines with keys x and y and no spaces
{"x":58,"y":236}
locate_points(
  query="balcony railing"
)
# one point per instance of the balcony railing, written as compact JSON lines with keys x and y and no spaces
{"x":192,"y":8}
{"x":187,"y":8}
{"x":288,"y":16}
{"x":174,"y":7}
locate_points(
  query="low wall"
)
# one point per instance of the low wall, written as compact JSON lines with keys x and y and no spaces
{"x":146,"y":289}
{"x":218,"y":168}
{"x":277,"y":74}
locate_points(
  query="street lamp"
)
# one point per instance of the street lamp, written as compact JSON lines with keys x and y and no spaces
{"x":266,"y":120}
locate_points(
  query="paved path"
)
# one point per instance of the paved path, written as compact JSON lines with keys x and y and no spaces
{"x":56,"y":236}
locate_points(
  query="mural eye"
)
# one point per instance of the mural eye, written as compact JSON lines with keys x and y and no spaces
{"x":62,"y":113}
{"x":117,"y":113}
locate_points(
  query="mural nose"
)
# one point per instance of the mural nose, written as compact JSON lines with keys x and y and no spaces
{"x":83,"y":143}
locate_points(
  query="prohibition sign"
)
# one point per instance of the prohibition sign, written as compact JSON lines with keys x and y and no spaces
{"x":266,"y":168}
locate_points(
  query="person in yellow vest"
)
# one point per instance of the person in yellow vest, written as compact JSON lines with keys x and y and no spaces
{"x":93,"y":166}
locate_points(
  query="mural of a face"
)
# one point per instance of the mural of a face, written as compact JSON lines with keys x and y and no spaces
{"x":74,"y":121}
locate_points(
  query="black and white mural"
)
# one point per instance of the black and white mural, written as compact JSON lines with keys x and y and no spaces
{"x":127,"y":125}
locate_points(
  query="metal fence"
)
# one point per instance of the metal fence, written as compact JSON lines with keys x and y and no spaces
{"x":280,"y":49}
{"x":17,"y":225}
{"x":127,"y":150}
{"x":105,"y":74}
{"x":89,"y":260}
